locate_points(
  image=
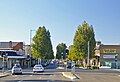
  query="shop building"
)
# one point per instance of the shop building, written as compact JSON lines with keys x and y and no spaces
{"x":14,"y":52}
{"x":107,"y":55}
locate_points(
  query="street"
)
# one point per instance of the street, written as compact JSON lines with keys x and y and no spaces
{"x":52,"y":74}
{"x":37,"y":77}
{"x":98,"y":76}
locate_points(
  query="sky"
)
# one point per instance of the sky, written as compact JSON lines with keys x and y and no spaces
{"x":61,"y":18}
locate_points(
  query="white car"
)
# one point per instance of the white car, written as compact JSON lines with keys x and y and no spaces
{"x":16,"y":69}
{"x":38,"y":68}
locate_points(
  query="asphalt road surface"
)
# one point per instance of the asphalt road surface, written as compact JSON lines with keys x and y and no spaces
{"x":52,"y":74}
{"x":90,"y":76}
{"x":35,"y":77}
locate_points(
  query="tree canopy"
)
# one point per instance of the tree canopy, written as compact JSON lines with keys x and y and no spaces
{"x":42,"y":46}
{"x":79,"y":50}
{"x":61,"y":51}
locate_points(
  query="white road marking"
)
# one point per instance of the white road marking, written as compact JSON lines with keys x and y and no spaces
{"x":40,"y":78}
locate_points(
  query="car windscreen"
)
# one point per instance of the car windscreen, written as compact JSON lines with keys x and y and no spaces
{"x":38,"y":66}
{"x":17,"y":66}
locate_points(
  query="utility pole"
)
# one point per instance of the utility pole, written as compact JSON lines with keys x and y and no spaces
{"x":88,"y":61}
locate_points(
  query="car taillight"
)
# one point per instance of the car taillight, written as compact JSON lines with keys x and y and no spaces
{"x":16,"y":68}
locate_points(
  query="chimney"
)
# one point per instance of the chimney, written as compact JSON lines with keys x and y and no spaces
{"x":10,"y":44}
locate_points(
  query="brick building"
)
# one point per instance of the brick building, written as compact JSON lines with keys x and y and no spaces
{"x":15,"y":53}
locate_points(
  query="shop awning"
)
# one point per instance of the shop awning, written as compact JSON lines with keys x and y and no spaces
{"x":16,"y":57}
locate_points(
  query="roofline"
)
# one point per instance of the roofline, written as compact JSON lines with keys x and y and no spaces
{"x":109,"y":45}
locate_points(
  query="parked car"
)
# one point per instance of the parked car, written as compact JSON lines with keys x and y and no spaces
{"x":44,"y":63}
{"x":38,"y":68}
{"x":16,"y":69}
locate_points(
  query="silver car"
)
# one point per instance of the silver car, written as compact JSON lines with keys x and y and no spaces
{"x":16,"y":69}
{"x":38,"y":68}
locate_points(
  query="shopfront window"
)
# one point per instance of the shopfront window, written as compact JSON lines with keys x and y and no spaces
{"x":106,"y":63}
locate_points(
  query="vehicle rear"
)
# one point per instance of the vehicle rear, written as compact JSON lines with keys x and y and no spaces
{"x":16,"y":70}
{"x":38,"y":68}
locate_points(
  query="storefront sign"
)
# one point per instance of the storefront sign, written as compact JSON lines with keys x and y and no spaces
{"x":109,"y":50}
{"x":109,"y":56}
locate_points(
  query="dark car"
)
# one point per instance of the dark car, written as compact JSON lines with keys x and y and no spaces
{"x":44,"y":63}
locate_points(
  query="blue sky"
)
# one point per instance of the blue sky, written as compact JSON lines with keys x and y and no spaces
{"x":61,"y":18}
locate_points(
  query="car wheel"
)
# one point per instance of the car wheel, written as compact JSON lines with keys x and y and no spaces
{"x":12,"y":73}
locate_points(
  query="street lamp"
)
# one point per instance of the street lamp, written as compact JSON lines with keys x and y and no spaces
{"x":30,"y":44}
{"x":31,"y":36}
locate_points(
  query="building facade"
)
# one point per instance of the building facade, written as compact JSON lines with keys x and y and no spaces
{"x":107,"y":55}
{"x":14,"y":52}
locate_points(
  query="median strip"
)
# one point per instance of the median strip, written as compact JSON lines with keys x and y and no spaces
{"x":69,"y":75}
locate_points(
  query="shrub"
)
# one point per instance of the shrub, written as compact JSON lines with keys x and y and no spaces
{"x":95,"y":67}
{"x":78,"y":65}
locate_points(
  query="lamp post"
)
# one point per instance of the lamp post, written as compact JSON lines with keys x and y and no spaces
{"x":31,"y":36}
{"x":30,"y":44}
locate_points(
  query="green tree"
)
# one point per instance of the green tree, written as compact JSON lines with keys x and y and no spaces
{"x":72,"y":55}
{"x":41,"y":46}
{"x":61,"y":51}
{"x":49,"y":49}
{"x":84,"y":34}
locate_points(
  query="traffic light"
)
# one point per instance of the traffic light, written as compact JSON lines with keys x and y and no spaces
{"x":3,"y":54}
{"x":67,"y":52}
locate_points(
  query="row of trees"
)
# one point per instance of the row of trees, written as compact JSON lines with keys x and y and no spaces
{"x":42,"y":46}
